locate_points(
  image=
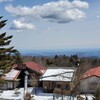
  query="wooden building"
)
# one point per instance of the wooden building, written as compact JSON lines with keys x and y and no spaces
{"x":12,"y":80}
{"x":57,"y":79}
{"x":16,"y":77}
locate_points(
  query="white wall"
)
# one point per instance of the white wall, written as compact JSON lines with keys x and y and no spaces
{"x":90,"y":84}
{"x":9,"y":85}
{"x":16,"y":84}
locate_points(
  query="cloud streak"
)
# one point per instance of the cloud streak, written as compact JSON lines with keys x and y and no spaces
{"x":62,"y":11}
{"x":18,"y":25}
{"x":5,"y":0}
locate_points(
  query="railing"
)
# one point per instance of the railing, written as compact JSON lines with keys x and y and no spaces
{"x":62,"y":97}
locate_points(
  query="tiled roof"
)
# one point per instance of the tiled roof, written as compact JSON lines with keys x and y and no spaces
{"x":92,"y":72}
{"x":36,"y":67}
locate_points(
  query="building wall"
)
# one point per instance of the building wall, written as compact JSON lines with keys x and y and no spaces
{"x":51,"y":86}
{"x":90,"y":85}
{"x":16,"y":84}
{"x":3,"y":86}
{"x":9,"y":85}
{"x":48,"y":86}
{"x":62,"y":88}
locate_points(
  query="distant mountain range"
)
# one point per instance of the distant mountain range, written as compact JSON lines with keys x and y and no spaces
{"x":67,"y":52}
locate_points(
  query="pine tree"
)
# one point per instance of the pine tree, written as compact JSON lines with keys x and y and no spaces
{"x":18,"y":59}
{"x":7,"y":54}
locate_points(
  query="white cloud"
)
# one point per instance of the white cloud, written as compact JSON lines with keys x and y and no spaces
{"x":62,"y":11}
{"x":98,"y":16}
{"x":18,"y":25}
{"x":48,"y":28}
{"x":78,"y":3}
{"x":5,"y":0}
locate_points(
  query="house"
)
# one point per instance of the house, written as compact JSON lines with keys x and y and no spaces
{"x":56,"y":79}
{"x":32,"y":66}
{"x":11,"y":79}
{"x":90,"y":81}
{"x":16,"y":76}
{"x":35,"y":71}
{"x":35,"y":67}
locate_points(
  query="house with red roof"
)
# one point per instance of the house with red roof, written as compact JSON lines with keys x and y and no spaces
{"x":35,"y":67}
{"x":16,"y":76}
{"x":35,"y":72}
{"x":90,"y":80}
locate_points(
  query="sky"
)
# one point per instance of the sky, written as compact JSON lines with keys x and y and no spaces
{"x":52,"y":24}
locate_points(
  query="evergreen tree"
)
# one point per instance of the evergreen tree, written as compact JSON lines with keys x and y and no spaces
{"x":18,"y":59}
{"x":6,"y":53}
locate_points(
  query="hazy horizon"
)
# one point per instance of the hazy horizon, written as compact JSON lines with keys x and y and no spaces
{"x":68,"y":52}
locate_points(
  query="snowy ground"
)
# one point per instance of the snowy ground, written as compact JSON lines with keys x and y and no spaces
{"x":58,"y":98}
{"x":12,"y":94}
{"x":39,"y":95}
{"x":43,"y":98}
{"x":51,"y":98}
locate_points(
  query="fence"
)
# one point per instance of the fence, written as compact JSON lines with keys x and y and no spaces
{"x":62,"y":97}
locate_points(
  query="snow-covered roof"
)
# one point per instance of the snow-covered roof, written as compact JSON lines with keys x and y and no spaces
{"x":58,"y":74}
{"x":12,"y":75}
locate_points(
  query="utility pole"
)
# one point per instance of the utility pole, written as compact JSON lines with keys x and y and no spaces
{"x":26,"y":81}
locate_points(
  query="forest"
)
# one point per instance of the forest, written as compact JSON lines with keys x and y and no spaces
{"x":64,"y":61}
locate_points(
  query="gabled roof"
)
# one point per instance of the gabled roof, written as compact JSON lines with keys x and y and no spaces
{"x":35,"y":67}
{"x":58,"y":74}
{"x":92,"y":72}
{"x":12,"y":75}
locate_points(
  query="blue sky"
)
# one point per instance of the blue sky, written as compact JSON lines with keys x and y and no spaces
{"x":52,"y":24}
